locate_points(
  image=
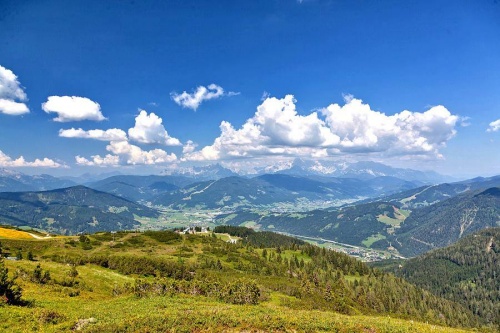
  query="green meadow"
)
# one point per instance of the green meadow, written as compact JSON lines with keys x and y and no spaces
{"x":164,"y":282}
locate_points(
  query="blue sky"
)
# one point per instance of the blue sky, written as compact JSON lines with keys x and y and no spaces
{"x":69,"y":68}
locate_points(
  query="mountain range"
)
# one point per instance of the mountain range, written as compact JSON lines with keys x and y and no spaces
{"x":305,"y":168}
{"x":13,"y":181}
{"x":396,"y":214}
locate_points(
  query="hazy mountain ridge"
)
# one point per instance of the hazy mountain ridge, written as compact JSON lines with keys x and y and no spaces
{"x":140,"y":188}
{"x":430,"y":194}
{"x":242,"y":192}
{"x":208,"y":172}
{"x":13,"y":181}
{"x":306,"y":168}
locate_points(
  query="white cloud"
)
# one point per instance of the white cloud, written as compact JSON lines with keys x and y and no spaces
{"x":193,"y":101}
{"x":277,"y":129}
{"x":189,"y":147}
{"x":494,"y":126}
{"x":12,"y":108}
{"x":149,"y":129}
{"x":73,"y":108}
{"x":135,"y":155}
{"x":362,"y":129}
{"x":97,"y":160}
{"x":124,"y":153}
{"x":11,"y":94}
{"x":113,"y":134}
{"x":7,"y":161}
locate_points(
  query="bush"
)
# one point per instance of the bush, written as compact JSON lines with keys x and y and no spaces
{"x":240,"y":291}
{"x":40,"y":276}
{"x":165,"y":236}
{"x":10,"y":292}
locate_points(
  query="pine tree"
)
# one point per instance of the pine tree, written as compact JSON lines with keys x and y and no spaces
{"x":10,"y":292}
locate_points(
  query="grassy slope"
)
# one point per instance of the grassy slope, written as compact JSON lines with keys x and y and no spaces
{"x":102,"y":296}
{"x":55,"y":311}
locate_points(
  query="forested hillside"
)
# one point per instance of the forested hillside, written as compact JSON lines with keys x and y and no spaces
{"x":384,"y":225}
{"x":467,"y":272}
{"x":356,"y":224}
{"x":444,"y":223}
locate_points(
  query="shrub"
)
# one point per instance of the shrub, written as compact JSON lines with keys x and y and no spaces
{"x":165,"y":236}
{"x":10,"y":292}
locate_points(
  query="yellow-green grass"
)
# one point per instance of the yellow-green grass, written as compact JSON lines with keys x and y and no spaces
{"x":250,"y":224}
{"x":54,"y":311}
{"x":14,"y":234}
{"x":404,"y":212}
{"x":226,"y":237}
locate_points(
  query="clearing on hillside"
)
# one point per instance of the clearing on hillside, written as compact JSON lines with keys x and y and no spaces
{"x":13,"y":233}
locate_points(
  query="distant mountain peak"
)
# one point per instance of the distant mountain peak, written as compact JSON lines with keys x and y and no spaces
{"x":9,"y":173}
{"x":211,"y":171}
{"x":15,"y":181}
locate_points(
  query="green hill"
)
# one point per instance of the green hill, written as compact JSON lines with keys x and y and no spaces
{"x":70,"y":210}
{"x":162,"y":281}
{"x":139,"y":188}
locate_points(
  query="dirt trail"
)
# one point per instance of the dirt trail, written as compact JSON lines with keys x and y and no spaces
{"x":490,"y":245}
{"x":37,"y":237}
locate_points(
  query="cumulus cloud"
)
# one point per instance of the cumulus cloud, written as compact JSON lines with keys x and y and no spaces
{"x":97,"y":160}
{"x":149,"y":129}
{"x":12,"y":94}
{"x":201,"y":94}
{"x":189,"y":147}
{"x":277,"y":129}
{"x":494,"y":126}
{"x":73,"y":108}
{"x":7,"y":161}
{"x":12,"y":108}
{"x":135,"y":155}
{"x":113,"y":134}
{"x":124,"y":153}
{"x":362,"y":129}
